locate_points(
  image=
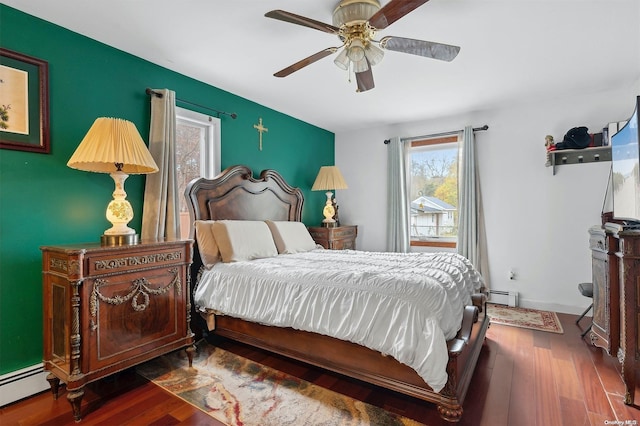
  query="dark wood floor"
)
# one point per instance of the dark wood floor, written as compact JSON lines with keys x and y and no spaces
{"x":523,"y":377}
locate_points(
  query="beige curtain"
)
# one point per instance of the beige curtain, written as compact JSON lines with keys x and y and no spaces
{"x":472,"y":240}
{"x":161,"y":215}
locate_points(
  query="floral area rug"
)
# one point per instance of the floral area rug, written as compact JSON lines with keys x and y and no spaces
{"x":240,"y":392}
{"x":524,"y":318}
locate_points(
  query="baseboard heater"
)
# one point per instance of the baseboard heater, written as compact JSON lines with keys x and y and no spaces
{"x":499,"y":297}
{"x":22,"y":384}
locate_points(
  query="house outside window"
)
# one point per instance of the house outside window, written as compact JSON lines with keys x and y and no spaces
{"x":433,"y":192}
{"x":197,"y":154}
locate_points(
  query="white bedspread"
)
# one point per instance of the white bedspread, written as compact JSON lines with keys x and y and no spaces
{"x":403,"y":305}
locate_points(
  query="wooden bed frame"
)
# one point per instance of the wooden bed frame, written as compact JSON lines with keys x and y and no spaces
{"x":235,"y":194}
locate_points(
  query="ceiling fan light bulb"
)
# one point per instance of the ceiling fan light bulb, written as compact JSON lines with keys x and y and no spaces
{"x":355,"y":51}
{"x":360,"y":66}
{"x":342,"y":60}
{"x":374,"y":54}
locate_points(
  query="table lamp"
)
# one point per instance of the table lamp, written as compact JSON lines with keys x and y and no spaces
{"x":329,"y":178}
{"x":114,"y":146}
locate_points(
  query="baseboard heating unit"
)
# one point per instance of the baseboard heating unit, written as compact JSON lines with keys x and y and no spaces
{"x":500,"y":297}
{"x":22,"y":383}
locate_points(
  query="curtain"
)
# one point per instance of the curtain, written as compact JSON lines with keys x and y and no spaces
{"x":472,"y":242}
{"x":397,"y":206}
{"x":161,"y":210}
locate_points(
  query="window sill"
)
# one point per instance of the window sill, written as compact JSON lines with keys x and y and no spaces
{"x":448,"y":244}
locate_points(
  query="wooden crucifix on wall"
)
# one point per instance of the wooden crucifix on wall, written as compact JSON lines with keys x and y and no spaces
{"x":260,"y":128}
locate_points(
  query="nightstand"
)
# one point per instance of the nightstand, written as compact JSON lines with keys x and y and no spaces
{"x":337,"y":238}
{"x":109,"y":308}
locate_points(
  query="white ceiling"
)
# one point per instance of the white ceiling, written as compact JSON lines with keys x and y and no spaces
{"x":511,"y":50}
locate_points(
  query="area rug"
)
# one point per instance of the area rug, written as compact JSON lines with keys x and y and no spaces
{"x":524,"y":318}
{"x":240,"y":392}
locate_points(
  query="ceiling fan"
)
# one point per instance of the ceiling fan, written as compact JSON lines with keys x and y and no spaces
{"x":355,"y":22}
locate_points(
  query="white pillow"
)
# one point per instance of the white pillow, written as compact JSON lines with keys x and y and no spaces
{"x":209,"y":251}
{"x":240,"y":240}
{"x":291,"y":237}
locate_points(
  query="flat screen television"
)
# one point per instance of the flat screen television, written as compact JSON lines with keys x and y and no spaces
{"x":625,"y":171}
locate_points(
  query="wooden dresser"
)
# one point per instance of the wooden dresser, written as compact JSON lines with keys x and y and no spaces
{"x":109,"y":308}
{"x":337,"y":238}
{"x":619,"y":323}
{"x":605,"y":331}
{"x":629,"y":354}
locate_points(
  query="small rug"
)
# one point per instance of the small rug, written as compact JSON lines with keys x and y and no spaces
{"x":524,"y":318}
{"x":240,"y":392}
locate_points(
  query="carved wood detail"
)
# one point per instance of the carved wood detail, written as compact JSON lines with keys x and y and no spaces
{"x":104,"y":334}
{"x":616,"y":320}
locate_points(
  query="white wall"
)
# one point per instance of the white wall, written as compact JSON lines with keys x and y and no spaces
{"x":537,"y":224}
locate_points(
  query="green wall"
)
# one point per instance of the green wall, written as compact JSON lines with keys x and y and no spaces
{"x":43,"y":202}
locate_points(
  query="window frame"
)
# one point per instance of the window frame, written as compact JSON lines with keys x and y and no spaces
{"x":210,"y":151}
{"x":210,"y":147}
{"x":438,"y":140}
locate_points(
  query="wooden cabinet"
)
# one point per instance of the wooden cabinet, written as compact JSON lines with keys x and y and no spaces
{"x":605,"y":331}
{"x":109,"y":308}
{"x":337,"y":238}
{"x":629,"y":354}
{"x":616,"y":298}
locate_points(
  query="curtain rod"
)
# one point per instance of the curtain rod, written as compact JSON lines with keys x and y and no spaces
{"x":159,"y":95}
{"x":475,"y":129}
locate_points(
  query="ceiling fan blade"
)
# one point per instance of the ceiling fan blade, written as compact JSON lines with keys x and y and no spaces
{"x":428,"y":49}
{"x":365,"y":80}
{"x":301,"y":20}
{"x":393,"y":11}
{"x":306,"y":61}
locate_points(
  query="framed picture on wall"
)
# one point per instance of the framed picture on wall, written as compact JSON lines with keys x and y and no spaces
{"x":24,"y":102}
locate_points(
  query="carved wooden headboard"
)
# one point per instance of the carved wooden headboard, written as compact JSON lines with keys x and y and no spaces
{"x":235,"y":194}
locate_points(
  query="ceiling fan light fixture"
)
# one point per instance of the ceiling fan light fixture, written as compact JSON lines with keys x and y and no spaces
{"x":354,"y":11}
{"x":342,"y":60}
{"x":355,"y":51}
{"x":355,"y":23}
{"x":373,"y":53}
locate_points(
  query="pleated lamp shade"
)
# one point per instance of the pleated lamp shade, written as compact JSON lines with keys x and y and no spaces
{"x":112,"y":141}
{"x":329,"y":177}
{"x":114,"y":146}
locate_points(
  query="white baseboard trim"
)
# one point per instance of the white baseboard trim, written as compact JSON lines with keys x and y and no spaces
{"x":22,"y":383}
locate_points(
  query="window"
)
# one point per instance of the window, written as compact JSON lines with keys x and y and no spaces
{"x":197,"y":154}
{"x":433,"y":192}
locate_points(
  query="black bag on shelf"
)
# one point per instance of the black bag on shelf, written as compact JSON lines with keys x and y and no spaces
{"x":576,"y":138}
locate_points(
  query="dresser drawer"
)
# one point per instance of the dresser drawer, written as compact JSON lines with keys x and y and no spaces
{"x":130,"y":313}
{"x":344,"y":232}
{"x":343,"y":244}
{"x":338,"y":238}
{"x":114,"y":263}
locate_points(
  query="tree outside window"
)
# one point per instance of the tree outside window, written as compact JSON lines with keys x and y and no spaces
{"x":433,"y":193}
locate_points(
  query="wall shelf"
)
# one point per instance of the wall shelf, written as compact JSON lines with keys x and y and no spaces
{"x":577,"y":156}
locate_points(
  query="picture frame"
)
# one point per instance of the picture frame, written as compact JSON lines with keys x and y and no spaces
{"x":24,"y":102}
